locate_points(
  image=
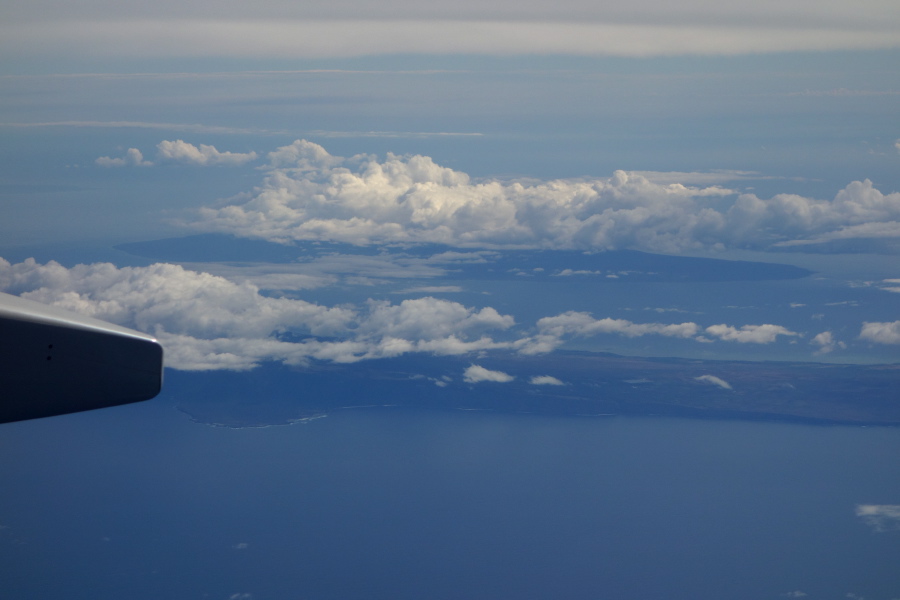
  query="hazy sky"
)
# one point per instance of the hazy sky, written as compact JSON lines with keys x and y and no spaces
{"x":722,"y":129}
{"x":354,"y":28}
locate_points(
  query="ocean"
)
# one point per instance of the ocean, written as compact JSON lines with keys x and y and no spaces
{"x":141,"y":502}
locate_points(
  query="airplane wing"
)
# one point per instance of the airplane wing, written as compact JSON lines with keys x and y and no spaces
{"x":54,"y":362}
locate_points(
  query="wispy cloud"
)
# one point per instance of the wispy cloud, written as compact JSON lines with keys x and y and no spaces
{"x":431,"y":289}
{"x":880,"y":517}
{"x":186,"y":127}
{"x":827,"y":343}
{"x":843,"y":92}
{"x":713,"y":380}
{"x":545,"y":380}
{"x":391,"y":134}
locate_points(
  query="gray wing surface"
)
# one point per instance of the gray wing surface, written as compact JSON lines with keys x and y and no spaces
{"x":54,"y":362}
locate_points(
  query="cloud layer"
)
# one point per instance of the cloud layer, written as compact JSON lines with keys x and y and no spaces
{"x":206,"y":321}
{"x":209,"y":322}
{"x":355,"y":28}
{"x":309,"y":194}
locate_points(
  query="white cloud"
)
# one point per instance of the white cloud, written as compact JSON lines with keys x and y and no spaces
{"x":208,"y":322}
{"x":890,"y":285}
{"x":583,"y":324}
{"x":429,"y":318}
{"x":826,"y":343}
{"x":308,"y":194}
{"x":132,"y":158}
{"x":553,"y":331}
{"x":545,"y":380}
{"x":181,"y":151}
{"x":881,"y":333}
{"x":713,"y":380}
{"x":477,"y":373}
{"x":281,"y":277}
{"x":752,"y":334}
{"x":881,"y":517}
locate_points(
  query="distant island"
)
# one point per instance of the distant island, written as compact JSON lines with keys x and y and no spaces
{"x":547,"y":265}
{"x":583,"y":385}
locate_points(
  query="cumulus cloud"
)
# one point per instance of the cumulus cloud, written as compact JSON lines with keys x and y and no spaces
{"x":308,"y":194}
{"x":749,"y":334}
{"x":826,"y":343}
{"x":881,"y":333}
{"x":205,"y":321}
{"x":713,"y":380}
{"x":181,"y":151}
{"x":132,"y":158}
{"x":477,"y":373}
{"x":431,"y":289}
{"x":545,"y":380}
{"x":881,"y":517}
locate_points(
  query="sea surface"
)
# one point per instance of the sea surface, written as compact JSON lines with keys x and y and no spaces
{"x":141,"y":502}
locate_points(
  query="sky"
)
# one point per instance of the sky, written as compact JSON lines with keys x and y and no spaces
{"x":765,"y":132}
{"x":293,"y":191}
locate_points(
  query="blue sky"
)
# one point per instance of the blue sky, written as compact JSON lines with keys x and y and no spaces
{"x":764,"y":132}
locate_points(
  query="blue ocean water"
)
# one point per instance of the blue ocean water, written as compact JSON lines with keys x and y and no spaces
{"x":140,"y":502}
